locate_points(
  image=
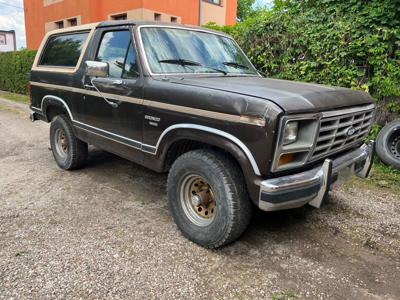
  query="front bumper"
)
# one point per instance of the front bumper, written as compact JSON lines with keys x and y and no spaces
{"x":312,"y":186}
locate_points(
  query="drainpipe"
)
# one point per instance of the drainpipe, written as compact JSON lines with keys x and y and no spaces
{"x":200,"y":11}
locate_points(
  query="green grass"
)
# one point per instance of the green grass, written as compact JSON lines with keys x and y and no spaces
{"x":382,"y":177}
{"x":15,"y":97}
{"x":284,"y":296}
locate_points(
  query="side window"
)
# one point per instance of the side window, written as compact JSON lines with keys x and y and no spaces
{"x":63,"y":50}
{"x":116,"y":49}
{"x":131,"y":69}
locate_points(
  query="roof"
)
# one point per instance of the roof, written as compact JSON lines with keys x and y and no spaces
{"x":8,"y":31}
{"x":132,"y":23}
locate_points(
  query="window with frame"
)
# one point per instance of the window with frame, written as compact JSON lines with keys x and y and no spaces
{"x":123,"y":16}
{"x":116,"y":49}
{"x":73,"y":22}
{"x":64,"y":50}
{"x":59,"y":24}
{"x":217,"y":2}
{"x":3,"y":39}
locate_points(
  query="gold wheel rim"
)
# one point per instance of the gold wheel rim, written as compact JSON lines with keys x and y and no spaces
{"x":198,"y":200}
{"x":61,"y":143}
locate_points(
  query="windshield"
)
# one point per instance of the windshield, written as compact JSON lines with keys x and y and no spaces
{"x":172,"y":50}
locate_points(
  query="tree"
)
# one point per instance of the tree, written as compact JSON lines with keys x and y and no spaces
{"x":245,"y":9}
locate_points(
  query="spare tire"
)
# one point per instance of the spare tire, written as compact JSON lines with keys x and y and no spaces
{"x":388,"y":144}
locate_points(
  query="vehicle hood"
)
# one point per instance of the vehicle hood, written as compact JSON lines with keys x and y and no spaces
{"x":291,"y":96}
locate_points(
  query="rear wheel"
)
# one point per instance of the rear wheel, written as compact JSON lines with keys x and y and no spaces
{"x":69,"y":152}
{"x":208,"y":198}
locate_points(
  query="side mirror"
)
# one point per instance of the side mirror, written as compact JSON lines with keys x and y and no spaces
{"x":96,"y":69}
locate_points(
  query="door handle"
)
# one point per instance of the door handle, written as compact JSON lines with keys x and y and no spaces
{"x":117,"y":82}
{"x":89,"y":87}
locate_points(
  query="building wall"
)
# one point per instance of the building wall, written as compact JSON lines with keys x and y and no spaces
{"x":42,"y":16}
{"x":7,"y":41}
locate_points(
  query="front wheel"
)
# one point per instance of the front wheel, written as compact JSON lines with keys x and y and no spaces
{"x":208,"y":198}
{"x":69,"y":152}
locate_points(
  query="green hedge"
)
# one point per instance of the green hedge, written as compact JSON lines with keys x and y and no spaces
{"x":352,"y":43}
{"x":14,"y":70}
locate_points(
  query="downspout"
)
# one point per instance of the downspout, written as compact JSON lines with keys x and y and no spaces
{"x":200,"y":11}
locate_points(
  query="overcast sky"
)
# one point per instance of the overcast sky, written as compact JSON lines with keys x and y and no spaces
{"x":12,"y":18}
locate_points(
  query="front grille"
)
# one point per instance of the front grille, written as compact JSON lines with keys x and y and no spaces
{"x":334,"y":132}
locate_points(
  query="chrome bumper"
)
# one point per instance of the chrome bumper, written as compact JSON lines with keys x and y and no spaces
{"x":312,"y":186}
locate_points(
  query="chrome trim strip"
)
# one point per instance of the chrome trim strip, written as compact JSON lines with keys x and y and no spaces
{"x":58,"y":99}
{"x":332,"y":113}
{"x":218,"y":132}
{"x":36,"y":108}
{"x":87,"y":92}
{"x":171,"y":107}
{"x":141,"y":145}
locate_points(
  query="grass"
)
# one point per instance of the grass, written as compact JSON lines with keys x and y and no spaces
{"x":382,"y":177}
{"x":15,"y":97}
{"x":284,"y":296}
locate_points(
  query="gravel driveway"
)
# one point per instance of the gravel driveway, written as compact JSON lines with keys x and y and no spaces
{"x":104,"y":232}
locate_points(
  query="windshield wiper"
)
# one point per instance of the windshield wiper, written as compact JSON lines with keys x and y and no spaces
{"x":235,"y":65}
{"x":187,"y":62}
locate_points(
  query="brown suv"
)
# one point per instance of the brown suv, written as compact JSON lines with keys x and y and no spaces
{"x":187,"y":101}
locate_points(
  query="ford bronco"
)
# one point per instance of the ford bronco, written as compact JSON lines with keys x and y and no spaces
{"x":187,"y":101}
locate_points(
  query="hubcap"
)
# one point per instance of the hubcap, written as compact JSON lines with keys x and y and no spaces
{"x":61,"y":143}
{"x":198,"y":200}
{"x":394,"y":143}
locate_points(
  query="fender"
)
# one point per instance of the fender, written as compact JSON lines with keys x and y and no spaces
{"x":54,"y":101}
{"x":212,"y":137}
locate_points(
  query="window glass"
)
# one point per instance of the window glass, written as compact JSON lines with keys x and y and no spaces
{"x":214,"y":1}
{"x":165,"y":48}
{"x":64,"y":50}
{"x":114,"y":50}
{"x":131,"y":69}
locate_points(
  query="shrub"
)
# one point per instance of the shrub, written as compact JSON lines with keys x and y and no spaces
{"x":14,"y":70}
{"x":353,"y":43}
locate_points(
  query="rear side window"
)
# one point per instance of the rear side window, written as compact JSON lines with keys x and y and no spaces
{"x":64,"y":50}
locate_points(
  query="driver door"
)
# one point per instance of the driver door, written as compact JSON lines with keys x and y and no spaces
{"x":113,"y":105}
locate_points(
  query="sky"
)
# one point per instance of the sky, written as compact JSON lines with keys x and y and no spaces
{"x":12,"y":18}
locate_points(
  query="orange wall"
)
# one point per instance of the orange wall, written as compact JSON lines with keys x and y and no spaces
{"x":36,"y":15}
{"x":231,"y":12}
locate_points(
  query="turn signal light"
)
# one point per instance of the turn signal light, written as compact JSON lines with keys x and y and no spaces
{"x":285,"y":159}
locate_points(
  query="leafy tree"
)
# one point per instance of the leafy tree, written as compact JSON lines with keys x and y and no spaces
{"x":245,"y":9}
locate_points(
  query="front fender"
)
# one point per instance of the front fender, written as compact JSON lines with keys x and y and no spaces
{"x":216,"y":138}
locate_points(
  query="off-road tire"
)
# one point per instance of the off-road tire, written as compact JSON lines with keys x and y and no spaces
{"x":77,"y":152}
{"x":388,"y":144}
{"x":233,"y":206}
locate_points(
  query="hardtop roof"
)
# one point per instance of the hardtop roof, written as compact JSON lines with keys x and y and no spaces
{"x":132,"y":23}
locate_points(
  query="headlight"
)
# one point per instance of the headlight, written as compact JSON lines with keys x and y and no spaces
{"x":290,"y":133}
{"x":296,"y":138}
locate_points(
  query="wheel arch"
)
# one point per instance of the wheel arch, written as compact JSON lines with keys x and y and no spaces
{"x":203,"y":137}
{"x":52,"y":106}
